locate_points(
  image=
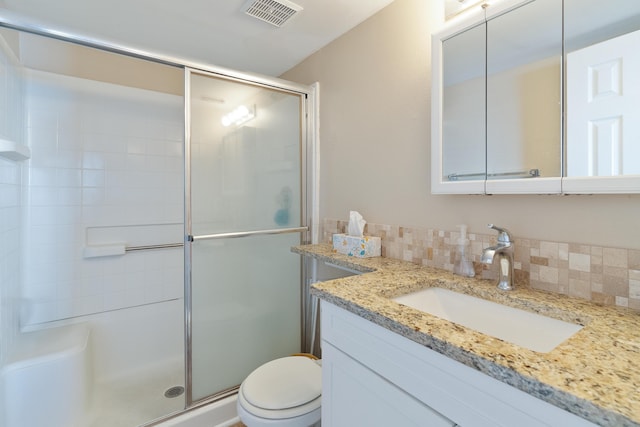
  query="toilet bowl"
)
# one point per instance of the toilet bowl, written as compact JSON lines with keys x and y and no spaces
{"x":285,"y":392}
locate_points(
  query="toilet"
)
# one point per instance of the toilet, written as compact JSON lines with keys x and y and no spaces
{"x":285,"y":392}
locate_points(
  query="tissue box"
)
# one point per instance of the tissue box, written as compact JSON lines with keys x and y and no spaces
{"x":360,"y":247}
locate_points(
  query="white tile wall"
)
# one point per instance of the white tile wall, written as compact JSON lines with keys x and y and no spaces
{"x":9,"y":252}
{"x":108,"y":157}
{"x":10,"y":201}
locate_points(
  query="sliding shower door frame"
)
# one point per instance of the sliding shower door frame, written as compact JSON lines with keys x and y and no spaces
{"x":303,"y":229}
{"x":309,"y":160}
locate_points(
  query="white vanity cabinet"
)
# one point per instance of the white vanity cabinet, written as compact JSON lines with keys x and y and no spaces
{"x":374,"y":377}
{"x":361,"y":397}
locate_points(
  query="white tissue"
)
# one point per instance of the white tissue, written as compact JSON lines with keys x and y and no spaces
{"x":356,"y":224}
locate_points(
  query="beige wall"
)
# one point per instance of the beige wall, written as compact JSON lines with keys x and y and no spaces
{"x":375,"y":143}
{"x":54,"y":56}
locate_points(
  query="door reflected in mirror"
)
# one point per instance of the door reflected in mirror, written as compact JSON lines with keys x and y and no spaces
{"x":603,"y":87}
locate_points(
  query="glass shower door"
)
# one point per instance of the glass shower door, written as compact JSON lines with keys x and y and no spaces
{"x":244,"y":212}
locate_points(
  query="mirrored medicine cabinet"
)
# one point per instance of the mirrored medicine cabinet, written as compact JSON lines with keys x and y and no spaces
{"x":539,"y":97}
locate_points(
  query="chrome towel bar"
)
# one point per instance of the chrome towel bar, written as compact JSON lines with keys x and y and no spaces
{"x":153,"y":247}
{"x":531,"y":173}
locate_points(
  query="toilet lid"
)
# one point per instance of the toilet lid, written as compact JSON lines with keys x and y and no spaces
{"x":283,"y":383}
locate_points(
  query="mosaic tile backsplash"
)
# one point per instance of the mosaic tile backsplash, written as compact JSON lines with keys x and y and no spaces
{"x":609,"y":276}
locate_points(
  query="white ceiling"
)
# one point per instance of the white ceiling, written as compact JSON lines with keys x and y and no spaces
{"x":216,"y":32}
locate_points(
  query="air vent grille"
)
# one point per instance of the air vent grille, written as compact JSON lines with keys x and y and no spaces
{"x":274,"y":12}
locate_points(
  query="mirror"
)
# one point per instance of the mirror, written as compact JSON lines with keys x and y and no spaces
{"x":603,"y":88}
{"x":501,"y":98}
{"x":524,"y":73}
{"x":533,"y":76}
{"x":463,"y":105}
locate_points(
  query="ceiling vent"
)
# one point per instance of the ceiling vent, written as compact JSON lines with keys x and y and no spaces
{"x":274,"y":12}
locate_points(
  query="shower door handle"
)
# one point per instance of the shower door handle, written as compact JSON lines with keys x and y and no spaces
{"x":236,"y":234}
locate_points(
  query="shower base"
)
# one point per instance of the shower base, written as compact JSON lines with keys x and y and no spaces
{"x":222,"y":413}
{"x":136,"y":399}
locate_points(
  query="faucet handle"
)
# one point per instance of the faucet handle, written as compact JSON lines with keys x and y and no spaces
{"x":503,"y":235}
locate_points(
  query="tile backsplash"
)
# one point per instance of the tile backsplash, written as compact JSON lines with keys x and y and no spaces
{"x":609,"y":276}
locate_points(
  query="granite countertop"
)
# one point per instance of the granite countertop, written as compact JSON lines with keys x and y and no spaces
{"x":595,"y":374}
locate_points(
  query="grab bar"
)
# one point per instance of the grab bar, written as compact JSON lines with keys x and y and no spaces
{"x":531,"y":173}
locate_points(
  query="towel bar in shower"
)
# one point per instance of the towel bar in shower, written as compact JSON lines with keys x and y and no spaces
{"x":115,"y":249}
{"x":153,"y":247}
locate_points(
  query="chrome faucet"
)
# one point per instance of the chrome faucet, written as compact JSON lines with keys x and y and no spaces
{"x":504,"y":251}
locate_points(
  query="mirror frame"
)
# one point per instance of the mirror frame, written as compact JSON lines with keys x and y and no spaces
{"x":541,"y":185}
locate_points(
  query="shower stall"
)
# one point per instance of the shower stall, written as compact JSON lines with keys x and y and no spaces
{"x":147,"y":210}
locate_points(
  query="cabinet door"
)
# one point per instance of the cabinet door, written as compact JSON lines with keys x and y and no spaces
{"x":602,"y":97}
{"x":496,"y":101}
{"x":374,"y":374}
{"x":524,"y":74}
{"x":356,"y":396}
{"x":458,"y":156}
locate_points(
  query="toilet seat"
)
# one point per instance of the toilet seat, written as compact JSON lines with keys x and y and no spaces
{"x":284,"y":388}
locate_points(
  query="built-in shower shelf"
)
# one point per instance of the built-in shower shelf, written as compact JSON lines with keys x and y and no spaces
{"x":14,"y":151}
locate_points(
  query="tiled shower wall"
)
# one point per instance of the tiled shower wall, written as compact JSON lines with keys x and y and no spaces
{"x":9,"y":252}
{"x":609,"y":276}
{"x":106,"y":168}
{"x":10,"y":200}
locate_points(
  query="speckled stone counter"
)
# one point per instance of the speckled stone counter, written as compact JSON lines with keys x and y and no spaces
{"x":595,"y":374}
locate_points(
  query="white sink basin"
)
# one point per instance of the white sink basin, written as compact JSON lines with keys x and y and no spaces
{"x":533,"y":331}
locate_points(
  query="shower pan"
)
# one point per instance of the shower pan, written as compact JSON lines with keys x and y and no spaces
{"x":153,"y":217}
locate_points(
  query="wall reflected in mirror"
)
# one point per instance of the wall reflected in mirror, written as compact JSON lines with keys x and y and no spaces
{"x":524,"y":73}
{"x":463,"y":104}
